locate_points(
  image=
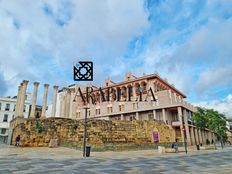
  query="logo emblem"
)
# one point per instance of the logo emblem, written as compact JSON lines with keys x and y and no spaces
{"x":83,"y":71}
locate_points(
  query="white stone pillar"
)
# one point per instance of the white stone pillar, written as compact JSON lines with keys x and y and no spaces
{"x":154,"y":114}
{"x":137,"y":116}
{"x":18,"y":101}
{"x":54,"y":100}
{"x":63,"y":103}
{"x":200,"y":136}
{"x":203,"y":136}
{"x":181,"y":122}
{"x":164,"y":115}
{"x":68,"y":97}
{"x":45,"y":101}
{"x":196,"y":135}
{"x":23,"y":97}
{"x":192,"y":136}
{"x":72,"y":90}
{"x":187,"y":127}
{"x":34,"y":97}
{"x":122,"y":118}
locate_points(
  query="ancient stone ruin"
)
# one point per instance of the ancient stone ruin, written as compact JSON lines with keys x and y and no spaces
{"x":100,"y":133}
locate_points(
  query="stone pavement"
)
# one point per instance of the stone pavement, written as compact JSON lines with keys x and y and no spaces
{"x":64,"y":160}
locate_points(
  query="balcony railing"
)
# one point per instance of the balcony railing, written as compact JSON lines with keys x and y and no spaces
{"x":176,"y":123}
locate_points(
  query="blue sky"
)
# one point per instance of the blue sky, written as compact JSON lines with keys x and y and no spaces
{"x":188,"y":42}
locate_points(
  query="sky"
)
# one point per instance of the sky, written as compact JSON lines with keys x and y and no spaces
{"x":188,"y":42}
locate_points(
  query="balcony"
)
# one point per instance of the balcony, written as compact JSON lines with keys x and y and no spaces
{"x":176,"y":123}
{"x":4,"y":124}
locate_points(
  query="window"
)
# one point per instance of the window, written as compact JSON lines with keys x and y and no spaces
{"x":0,"y":106}
{"x":24,"y":109}
{"x":3,"y":131}
{"x":121,"y":107}
{"x":5,"y":119}
{"x":109,"y":109}
{"x":7,"y":107}
{"x":159,"y":115}
{"x":97,"y":111}
{"x":78,"y":114}
{"x":14,"y":107}
{"x":134,"y":105}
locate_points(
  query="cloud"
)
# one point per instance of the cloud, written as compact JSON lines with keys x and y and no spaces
{"x":3,"y":85}
{"x":191,"y":46}
{"x":42,"y":40}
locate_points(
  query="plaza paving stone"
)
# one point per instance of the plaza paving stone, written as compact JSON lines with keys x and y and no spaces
{"x":62,"y":160}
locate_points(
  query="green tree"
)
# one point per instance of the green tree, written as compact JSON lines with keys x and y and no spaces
{"x":213,"y":120}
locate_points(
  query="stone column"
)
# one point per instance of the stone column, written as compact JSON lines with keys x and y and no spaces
{"x":187,"y":127}
{"x":154,"y":114}
{"x":68,"y":97}
{"x":164,"y":115}
{"x":137,"y":116}
{"x":23,"y":97}
{"x":196,"y":135}
{"x":44,"y":101}
{"x":210,"y":136}
{"x":72,"y":90}
{"x":34,"y":97}
{"x":204,"y":136}
{"x":181,"y":123}
{"x":63,"y":103}
{"x":200,"y":137}
{"x":18,"y":101}
{"x":192,"y":136}
{"x":54,"y":99}
{"x":122,"y":118}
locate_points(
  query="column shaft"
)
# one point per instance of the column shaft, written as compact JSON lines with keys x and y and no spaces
{"x":196,"y":135}
{"x":192,"y":136}
{"x":122,"y":118}
{"x":181,"y":123}
{"x":164,"y":115}
{"x":23,"y":98}
{"x":68,"y":96}
{"x":200,"y":136}
{"x":154,"y":114}
{"x":54,"y":100}
{"x":137,"y":116}
{"x":187,"y":127}
{"x":34,"y":97}
{"x":71,"y":103}
{"x":43,"y":114}
{"x":18,"y":101}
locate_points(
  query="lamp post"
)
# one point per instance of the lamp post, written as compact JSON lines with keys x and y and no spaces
{"x":184,"y":132}
{"x":85,"y":129}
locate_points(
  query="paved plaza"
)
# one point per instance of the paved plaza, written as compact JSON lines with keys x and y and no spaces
{"x":64,"y":160}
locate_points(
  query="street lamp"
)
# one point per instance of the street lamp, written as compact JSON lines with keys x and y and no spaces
{"x":85,"y":129}
{"x":184,"y":132}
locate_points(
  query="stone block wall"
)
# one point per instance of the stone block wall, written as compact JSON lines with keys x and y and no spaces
{"x":38,"y":132}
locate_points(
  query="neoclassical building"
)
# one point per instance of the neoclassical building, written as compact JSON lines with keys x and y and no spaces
{"x":170,"y":105}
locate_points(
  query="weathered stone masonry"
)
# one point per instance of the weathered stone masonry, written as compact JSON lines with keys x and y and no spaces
{"x":38,"y":132}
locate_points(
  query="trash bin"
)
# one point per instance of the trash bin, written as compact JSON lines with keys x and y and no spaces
{"x":198,"y":147}
{"x":87,"y":151}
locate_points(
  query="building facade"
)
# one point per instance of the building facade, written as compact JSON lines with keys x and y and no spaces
{"x":170,"y":105}
{"x":7,"y":112}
